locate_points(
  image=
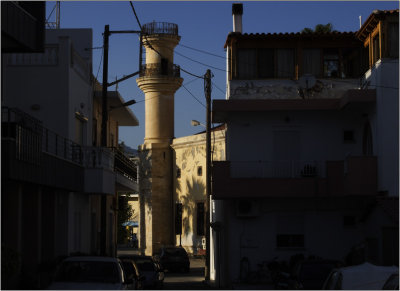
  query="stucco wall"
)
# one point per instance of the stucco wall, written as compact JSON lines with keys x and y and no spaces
{"x":289,"y":89}
{"x":189,"y":154}
{"x":255,"y":237}
{"x":317,"y":141}
{"x":384,"y":77}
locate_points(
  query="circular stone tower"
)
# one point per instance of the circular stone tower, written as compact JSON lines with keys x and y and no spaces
{"x":159,"y":79}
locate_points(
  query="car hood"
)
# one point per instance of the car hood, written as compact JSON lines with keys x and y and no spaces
{"x":85,"y":286}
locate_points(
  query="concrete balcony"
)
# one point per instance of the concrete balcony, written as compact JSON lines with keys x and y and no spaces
{"x":32,"y":153}
{"x":353,"y":176}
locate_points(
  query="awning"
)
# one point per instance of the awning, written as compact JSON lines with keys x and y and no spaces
{"x":131,"y":223}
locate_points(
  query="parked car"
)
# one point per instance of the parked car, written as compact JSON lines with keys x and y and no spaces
{"x":360,"y":277}
{"x":173,"y":258}
{"x":311,"y":274}
{"x":89,"y":273}
{"x":151,"y":271}
{"x":392,"y":283}
{"x":132,"y":274}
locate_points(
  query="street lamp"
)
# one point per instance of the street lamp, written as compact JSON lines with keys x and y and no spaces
{"x":128,"y":103}
{"x":196,"y":123}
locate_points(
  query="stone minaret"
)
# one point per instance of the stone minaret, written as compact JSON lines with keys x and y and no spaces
{"x":159,"y":79}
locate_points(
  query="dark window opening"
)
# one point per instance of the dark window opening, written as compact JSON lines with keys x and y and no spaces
{"x":266,"y":63}
{"x":199,"y":171}
{"x":178,"y":218}
{"x":376,"y":48}
{"x":200,"y":218}
{"x":348,"y":136}
{"x":285,"y":63}
{"x":94,"y":132}
{"x":312,"y":62}
{"x":290,"y":240}
{"x":246,"y":63}
{"x":178,"y":173}
{"x":331,"y":63}
{"x":393,"y":40}
{"x":164,"y":66}
{"x":349,"y":220}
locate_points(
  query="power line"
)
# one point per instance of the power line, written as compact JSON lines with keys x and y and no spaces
{"x":218,"y":87}
{"x":193,"y":96}
{"x":101,"y":59}
{"x":205,"y":52}
{"x":200,"y":62}
{"x":137,"y":18}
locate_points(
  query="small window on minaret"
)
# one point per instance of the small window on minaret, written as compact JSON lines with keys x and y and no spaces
{"x":178,"y":173}
{"x":199,"y":171}
{"x":164,"y":66}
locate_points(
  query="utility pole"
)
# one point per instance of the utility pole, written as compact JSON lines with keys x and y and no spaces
{"x":104,"y":121}
{"x":207,"y":83}
{"x":104,"y":115}
{"x":104,"y":88}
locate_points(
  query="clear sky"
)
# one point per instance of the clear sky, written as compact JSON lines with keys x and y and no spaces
{"x":203,"y":25}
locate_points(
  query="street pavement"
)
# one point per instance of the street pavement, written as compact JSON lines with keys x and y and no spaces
{"x":194,"y":280}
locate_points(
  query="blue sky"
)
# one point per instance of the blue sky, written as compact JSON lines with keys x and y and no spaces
{"x":203,"y":25}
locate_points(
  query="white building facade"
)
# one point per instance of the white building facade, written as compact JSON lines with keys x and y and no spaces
{"x":307,"y":150}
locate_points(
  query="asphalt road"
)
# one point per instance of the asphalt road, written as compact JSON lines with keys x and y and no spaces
{"x":194,"y":280}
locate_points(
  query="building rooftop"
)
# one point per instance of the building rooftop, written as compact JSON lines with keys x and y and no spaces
{"x":372,"y":21}
{"x":288,"y":35}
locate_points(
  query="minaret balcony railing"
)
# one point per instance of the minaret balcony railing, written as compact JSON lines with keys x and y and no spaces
{"x":160,"y":28}
{"x":158,"y":69}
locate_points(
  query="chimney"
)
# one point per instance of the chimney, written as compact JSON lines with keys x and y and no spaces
{"x":237,"y":11}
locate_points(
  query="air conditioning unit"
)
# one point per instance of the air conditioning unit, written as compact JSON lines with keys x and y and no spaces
{"x":247,"y":208}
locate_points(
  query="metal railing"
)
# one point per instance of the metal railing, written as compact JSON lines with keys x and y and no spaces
{"x":98,"y":158}
{"x":123,"y":165}
{"x":157,"y":69}
{"x":32,"y":139}
{"x":277,"y":169}
{"x":160,"y":28}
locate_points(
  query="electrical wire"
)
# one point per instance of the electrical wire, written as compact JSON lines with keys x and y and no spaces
{"x":101,"y":60}
{"x":205,"y":52}
{"x":194,"y":96}
{"x":137,"y":18}
{"x":51,"y":13}
{"x":218,"y":87}
{"x":199,"y":62}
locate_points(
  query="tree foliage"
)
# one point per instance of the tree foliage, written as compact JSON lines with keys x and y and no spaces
{"x":125,"y":213}
{"x":319,"y":28}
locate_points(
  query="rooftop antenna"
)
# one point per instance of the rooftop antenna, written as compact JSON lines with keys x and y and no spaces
{"x":54,"y":24}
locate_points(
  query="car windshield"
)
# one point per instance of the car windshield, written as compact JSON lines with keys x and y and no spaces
{"x":88,"y":271}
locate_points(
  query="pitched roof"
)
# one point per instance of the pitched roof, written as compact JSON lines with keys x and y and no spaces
{"x":372,"y":22}
{"x":288,"y":35}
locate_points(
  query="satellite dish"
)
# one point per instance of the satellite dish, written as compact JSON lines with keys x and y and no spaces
{"x":307,"y":81}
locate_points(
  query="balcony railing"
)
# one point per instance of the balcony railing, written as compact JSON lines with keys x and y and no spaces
{"x":30,"y":140}
{"x":98,"y":158}
{"x":124,"y":166}
{"x":160,"y":28}
{"x":277,"y":169}
{"x":158,"y":69}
